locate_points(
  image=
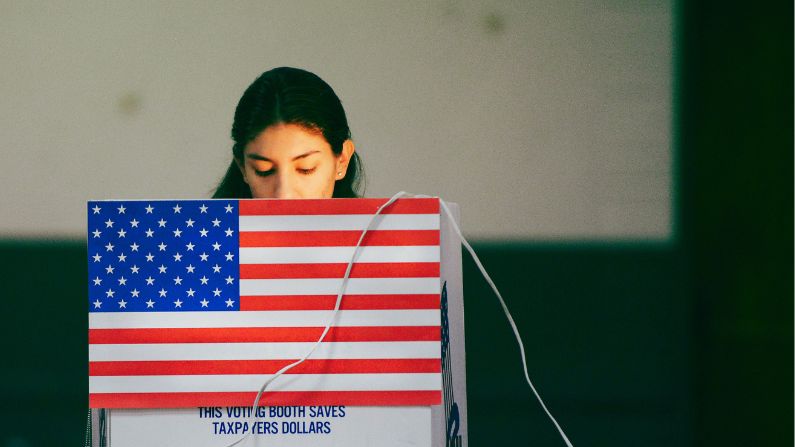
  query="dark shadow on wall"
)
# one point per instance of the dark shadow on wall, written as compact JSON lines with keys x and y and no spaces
{"x":605,"y":330}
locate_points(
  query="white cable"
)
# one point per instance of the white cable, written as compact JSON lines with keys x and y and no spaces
{"x":342,"y":290}
{"x":328,"y":325}
{"x":510,"y":320}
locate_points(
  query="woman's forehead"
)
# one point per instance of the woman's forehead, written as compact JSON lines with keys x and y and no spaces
{"x":287,"y":142}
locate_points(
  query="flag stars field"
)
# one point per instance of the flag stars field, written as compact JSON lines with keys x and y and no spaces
{"x":156,"y":243}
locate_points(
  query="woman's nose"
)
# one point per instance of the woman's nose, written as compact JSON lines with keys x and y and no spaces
{"x":285,"y":188}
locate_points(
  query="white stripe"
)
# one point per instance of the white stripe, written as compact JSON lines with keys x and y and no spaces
{"x":318,"y":255}
{"x":264,"y":351}
{"x":339,"y":222}
{"x":331,"y":286}
{"x":252,"y":382}
{"x":269,"y":318}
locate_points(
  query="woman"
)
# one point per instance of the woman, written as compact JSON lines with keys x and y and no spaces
{"x":291,"y":141}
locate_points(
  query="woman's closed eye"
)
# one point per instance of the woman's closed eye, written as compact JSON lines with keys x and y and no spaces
{"x":307,"y":171}
{"x":303,"y":171}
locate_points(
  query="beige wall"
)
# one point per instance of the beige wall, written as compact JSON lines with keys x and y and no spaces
{"x":543,"y":119}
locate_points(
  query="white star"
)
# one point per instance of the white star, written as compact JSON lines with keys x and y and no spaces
{"x":109,"y":224}
{"x":97,"y":281}
{"x":216,"y":222}
{"x":177,"y":209}
{"x":216,"y":246}
{"x":97,"y":257}
{"x":134,"y":268}
{"x":217,"y":292}
{"x":134,"y":293}
{"x":228,"y":232}
{"x":228,"y":208}
{"x":177,"y":232}
{"x":162,"y":268}
{"x":178,"y":281}
{"x":230,"y":303}
{"x":204,"y":256}
{"x":149,"y":257}
{"x":134,"y":246}
{"x":229,"y":256}
{"x":162,"y":246}
{"x":121,"y":209}
{"x":203,"y":232}
{"x":189,"y":222}
{"x":122,"y":233}
{"x":109,"y":269}
{"x":122,"y":281}
{"x":216,"y":268}
{"x":177,"y":257}
{"x":177,"y":303}
{"x":149,"y":209}
{"x":96,"y":209}
{"x":122,"y":304}
{"x":150,"y":304}
{"x":96,"y":233}
{"x":150,"y":281}
{"x":149,"y":232}
{"x":230,"y":280}
{"x":190,"y":268}
{"x":133,"y":223}
{"x":161,"y":223}
{"x":203,"y":209}
{"x":110,"y":293}
{"x":97,"y":304}
{"x":204,"y":302}
{"x":204,"y":280}
{"x":122,"y":257}
{"x":109,"y":247}
{"x":162,"y":292}
{"x":190,"y":292}
{"x":190,"y":246}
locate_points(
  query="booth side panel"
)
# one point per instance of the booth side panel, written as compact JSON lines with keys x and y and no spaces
{"x":453,"y":346}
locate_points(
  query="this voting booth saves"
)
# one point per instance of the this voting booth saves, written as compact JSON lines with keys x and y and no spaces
{"x":193,"y":305}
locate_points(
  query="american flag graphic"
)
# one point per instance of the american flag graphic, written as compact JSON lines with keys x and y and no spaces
{"x":196,"y":303}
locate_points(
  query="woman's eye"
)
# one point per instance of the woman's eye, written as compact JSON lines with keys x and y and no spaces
{"x":307,"y":171}
{"x":264,"y":173}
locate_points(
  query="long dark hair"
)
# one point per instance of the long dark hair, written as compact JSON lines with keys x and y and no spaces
{"x":288,"y":95}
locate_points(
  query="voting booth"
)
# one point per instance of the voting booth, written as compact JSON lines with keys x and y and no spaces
{"x":194,"y":305}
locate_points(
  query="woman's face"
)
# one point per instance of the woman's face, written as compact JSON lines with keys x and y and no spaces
{"x":288,"y":161}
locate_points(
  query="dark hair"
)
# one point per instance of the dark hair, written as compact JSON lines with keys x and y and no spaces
{"x":288,"y":95}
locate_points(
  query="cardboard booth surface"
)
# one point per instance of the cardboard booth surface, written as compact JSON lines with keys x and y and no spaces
{"x":194,"y":304}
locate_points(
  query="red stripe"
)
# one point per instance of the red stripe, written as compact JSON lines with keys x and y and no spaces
{"x":340,"y":238}
{"x":337,"y":270}
{"x":262,"y":334}
{"x":184,"y":400}
{"x":209,"y":367}
{"x":349,"y":302}
{"x":336,"y":206}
